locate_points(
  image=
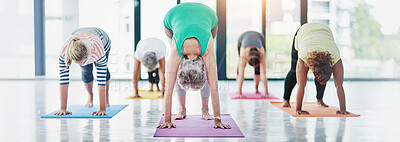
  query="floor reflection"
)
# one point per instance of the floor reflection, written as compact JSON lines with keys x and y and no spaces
{"x":25,"y":101}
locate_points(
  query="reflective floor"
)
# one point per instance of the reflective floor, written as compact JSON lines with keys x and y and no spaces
{"x":24,"y":101}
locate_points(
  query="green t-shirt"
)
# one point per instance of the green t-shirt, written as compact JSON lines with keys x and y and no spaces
{"x":189,"y":20}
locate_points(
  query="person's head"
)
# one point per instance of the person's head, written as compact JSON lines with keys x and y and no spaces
{"x":253,"y":56}
{"x":321,"y":65}
{"x":191,"y":75}
{"x":149,"y":60}
{"x":191,"y":48}
{"x":76,"y":51}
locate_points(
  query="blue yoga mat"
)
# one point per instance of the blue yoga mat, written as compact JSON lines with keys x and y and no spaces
{"x":80,"y":111}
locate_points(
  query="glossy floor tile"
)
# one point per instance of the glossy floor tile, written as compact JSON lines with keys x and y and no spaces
{"x":24,"y":101}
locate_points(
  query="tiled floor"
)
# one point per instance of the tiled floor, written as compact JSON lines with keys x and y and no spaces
{"x":24,"y":101}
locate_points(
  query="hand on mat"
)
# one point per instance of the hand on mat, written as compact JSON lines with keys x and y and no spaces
{"x":342,"y":112}
{"x":222,"y":126}
{"x":166,"y":125}
{"x":302,"y":112}
{"x":63,"y":112}
{"x":162,"y":95}
{"x":99,"y":113}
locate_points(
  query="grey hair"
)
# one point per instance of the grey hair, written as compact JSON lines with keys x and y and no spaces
{"x":149,"y":60}
{"x":191,"y":76}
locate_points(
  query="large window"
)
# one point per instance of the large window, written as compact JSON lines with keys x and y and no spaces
{"x":241,"y":16}
{"x":366,"y":32}
{"x":282,"y":21}
{"x":152,"y":23}
{"x":17,"y":39}
{"x":114,"y":17}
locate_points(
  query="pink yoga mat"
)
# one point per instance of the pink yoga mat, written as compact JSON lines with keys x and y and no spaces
{"x":233,"y":95}
{"x":195,"y":126}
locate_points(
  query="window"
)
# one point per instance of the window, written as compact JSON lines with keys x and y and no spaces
{"x":63,"y":17}
{"x":241,"y":16}
{"x":17,"y":49}
{"x":152,"y":23}
{"x":367,"y":34}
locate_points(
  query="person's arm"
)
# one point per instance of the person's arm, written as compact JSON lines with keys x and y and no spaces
{"x":136,"y":76}
{"x":64,"y":81}
{"x":212,"y":77}
{"x":161,"y":62}
{"x":63,"y":100}
{"x":242,"y":65}
{"x":338,"y":79}
{"x":101,"y":67}
{"x":172,"y":69}
{"x":263,"y":71}
{"x":214,"y":31}
{"x":301,"y":73}
{"x":168,"y":32}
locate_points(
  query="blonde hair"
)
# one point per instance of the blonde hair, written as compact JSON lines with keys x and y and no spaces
{"x":76,"y":50}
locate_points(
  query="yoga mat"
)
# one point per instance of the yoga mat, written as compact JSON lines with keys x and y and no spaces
{"x":80,"y":111}
{"x":233,"y":95}
{"x":195,"y":126}
{"x":146,"y":94}
{"x":314,"y":110}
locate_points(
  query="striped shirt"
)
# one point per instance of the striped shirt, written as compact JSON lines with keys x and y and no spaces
{"x":97,"y":55}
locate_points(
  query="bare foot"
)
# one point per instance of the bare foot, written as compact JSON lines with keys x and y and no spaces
{"x":206,"y":115}
{"x":321,"y":103}
{"x":258,"y":92}
{"x":151,"y":90}
{"x":286,"y":103}
{"x":158,"y":89}
{"x":89,"y":103}
{"x":265,"y":96}
{"x":181,"y":115}
{"x":136,"y":96}
{"x":302,"y":112}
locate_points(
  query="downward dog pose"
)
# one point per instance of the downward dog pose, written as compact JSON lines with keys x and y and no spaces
{"x":150,"y":52}
{"x":313,"y":43}
{"x":251,"y":48}
{"x":192,"y":28}
{"x":87,"y":46}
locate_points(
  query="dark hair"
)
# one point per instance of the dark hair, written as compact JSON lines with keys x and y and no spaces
{"x":321,"y":64}
{"x":254,"y":59}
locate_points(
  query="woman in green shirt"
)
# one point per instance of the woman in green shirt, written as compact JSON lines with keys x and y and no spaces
{"x":192,"y":28}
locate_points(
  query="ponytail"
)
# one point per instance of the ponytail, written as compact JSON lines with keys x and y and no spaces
{"x":76,"y":50}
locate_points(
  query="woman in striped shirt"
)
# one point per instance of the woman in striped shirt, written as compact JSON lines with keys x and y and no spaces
{"x":87,"y":46}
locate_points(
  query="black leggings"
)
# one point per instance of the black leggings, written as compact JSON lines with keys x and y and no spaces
{"x":290,"y":80}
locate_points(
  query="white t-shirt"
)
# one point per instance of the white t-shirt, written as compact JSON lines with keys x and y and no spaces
{"x":150,"y":45}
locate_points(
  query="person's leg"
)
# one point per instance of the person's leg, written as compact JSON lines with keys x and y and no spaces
{"x":87,"y":78}
{"x":205,"y":95}
{"x":151,"y":80}
{"x":156,"y":79}
{"x":290,"y":80}
{"x":320,"y":93}
{"x":182,"y":99}
{"x":257,"y":77}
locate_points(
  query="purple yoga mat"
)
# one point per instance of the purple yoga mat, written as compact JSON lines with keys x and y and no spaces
{"x":233,"y":95}
{"x":195,"y":126}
